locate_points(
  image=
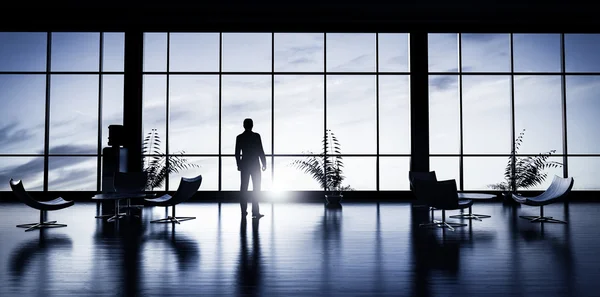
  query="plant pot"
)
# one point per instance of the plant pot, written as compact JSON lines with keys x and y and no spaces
{"x":334,"y":199}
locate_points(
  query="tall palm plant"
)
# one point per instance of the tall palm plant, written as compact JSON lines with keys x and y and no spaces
{"x":326,"y":168}
{"x":527,"y":172}
{"x":156,"y":163}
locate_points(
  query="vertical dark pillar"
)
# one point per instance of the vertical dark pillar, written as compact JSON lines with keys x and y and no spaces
{"x":132,"y":105}
{"x":419,"y":102}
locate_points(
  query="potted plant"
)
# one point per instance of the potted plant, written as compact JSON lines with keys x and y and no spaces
{"x":159,"y":166}
{"x":327,"y":169}
{"x":526,"y":172}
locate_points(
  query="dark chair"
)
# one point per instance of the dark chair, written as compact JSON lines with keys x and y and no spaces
{"x":42,"y":206}
{"x":442,"y":195}
{"x":187,"y":188}
{"x":558,"y":189}
{"x":416,"y":175}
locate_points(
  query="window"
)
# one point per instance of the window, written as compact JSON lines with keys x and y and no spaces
{"x":84,"y":80}
{"x":475,"y":116}
{"x":293,"y":86}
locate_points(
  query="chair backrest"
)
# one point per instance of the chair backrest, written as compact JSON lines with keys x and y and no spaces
{"x":19,"y":191}
{"x":130,"y":182}
{"x":414,"y":177}
{"x":187,"y":188}
{"x":559,"y":188}
{"x":440,"y":194}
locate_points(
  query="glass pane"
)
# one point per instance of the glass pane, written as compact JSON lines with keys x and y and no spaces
{"x":480,"y":172}
{"x":245,"y":97}
{"x":194,"y":52}
{"x":207,"y":167}
{"x":155,"y":52}
{"x":72,"y":173}
{"x":74,"y":114}
{"x":247,"y":52}
{"x":538,"y":110}
{"x":585,"y":172}
{"x":486,"y":114}
{"x":194,"y":114}
{"x":393,"y":173}
{"x":582,"y":52}
{"x":393,"y":52}
{"x":289,"y":178}
{"x":299,"y":52}
{"x":583,"y":105}
{"x":446,"y":168}
{"x":28,"y":169}
{"x":443,"y":52}
{"x":537,"y":52}
{"x":352,"y":112}
{"x":154,"y":115}
{"x":230,"y":178}
{"x":394,"y":114}
{"x":348,"y":52}
{"x":361,"y":173}
{"x":299,"y":114}
{"x":485,"y":52}
{"x":23,"y":51}
{"x":75,"y":51}
{"x":22,"y":95}
{"x":114,"y":52}
{"x":112,"y":103}
{"x":444,"y":114}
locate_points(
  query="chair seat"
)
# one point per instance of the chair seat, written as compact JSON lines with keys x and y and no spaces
{"x":558,"y":189}
{"x":535,"y":201}
{"x":464,"y":203}
{"x":159,"y":201}
{"x":56,"y":204}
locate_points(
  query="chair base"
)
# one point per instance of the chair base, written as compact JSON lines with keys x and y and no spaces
{"x":470,"y":216}
{"x":171,"y":219}
{"x":48,"y":224}
{"x":542,"y":219}
{"x":441,"y":224}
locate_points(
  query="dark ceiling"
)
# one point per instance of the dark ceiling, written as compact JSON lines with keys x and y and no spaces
{"x":309,"y":15}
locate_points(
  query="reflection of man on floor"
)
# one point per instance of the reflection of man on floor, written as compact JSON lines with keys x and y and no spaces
{"x":252,"y":153}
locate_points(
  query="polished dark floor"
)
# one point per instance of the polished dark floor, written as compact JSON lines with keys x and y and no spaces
{"x":301,"y":250}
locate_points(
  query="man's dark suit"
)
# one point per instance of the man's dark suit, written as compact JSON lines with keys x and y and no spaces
{"x":250,"y":146}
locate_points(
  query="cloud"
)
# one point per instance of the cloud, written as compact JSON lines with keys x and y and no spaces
{"x":443,"y":82}
{"x":72,"y":149}
{"x":302,"y":60}
{"x":11,"y":134}
{"x":362,"y":61}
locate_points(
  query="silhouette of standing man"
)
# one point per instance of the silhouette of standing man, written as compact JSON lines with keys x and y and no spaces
{"x":250,"y":146}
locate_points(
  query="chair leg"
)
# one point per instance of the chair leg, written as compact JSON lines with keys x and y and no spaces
{"x":172,"y":218}
{"x":41,"y":224}
{"x":541,"y":218}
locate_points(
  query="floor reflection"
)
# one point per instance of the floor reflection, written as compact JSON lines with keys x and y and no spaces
{"x":38,"y":250}
{"x":302,"y":250}
{"x":249,"y":262}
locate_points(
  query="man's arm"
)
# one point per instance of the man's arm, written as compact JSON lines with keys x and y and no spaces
{"x":261,"y":153}
{"x":238,"y":150}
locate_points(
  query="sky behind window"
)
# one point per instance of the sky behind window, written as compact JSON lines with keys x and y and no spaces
{"x":299,"y":103}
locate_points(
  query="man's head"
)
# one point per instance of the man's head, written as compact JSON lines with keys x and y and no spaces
{"x":248,"y":124}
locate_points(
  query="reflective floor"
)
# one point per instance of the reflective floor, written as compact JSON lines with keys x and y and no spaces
{"x":301,"y":250}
